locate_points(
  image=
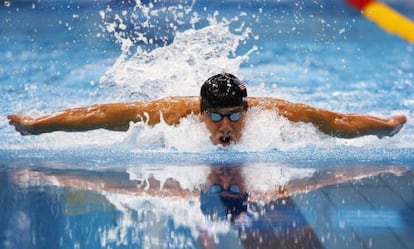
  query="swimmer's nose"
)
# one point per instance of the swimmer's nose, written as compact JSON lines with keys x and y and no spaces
{"x":225,"y":127}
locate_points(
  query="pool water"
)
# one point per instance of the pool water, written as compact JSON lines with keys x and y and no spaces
{"x":75,"y":190}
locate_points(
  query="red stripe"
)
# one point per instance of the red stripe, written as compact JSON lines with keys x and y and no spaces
{"x":359,"y":4}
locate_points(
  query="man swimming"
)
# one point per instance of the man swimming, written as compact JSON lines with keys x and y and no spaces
{"x":223,"y":105}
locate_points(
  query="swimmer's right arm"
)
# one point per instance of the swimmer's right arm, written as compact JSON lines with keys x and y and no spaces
{"x":115,"y":116}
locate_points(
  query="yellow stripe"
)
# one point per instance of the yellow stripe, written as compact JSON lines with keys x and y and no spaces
{"x":390,"y":20}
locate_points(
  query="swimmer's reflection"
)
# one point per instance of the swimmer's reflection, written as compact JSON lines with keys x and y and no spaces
{"x":224,"y":195}
{"x":263,"y":218}
{"x":275,"y":224}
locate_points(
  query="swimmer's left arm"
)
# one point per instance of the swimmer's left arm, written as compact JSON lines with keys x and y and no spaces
{"x":333,"y":123}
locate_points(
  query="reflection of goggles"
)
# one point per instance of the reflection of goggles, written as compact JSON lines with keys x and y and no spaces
{"x":219,"y":202}
{"x":232,"y":116}
{"x":217,"y":188}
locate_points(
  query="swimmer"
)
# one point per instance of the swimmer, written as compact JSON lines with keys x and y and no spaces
{"x":222,"y":105}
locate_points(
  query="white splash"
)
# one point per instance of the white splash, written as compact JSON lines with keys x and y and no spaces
{"x":179,"y":68}
{"x":188,"y":136}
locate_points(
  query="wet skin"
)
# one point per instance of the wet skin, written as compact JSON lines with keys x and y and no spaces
{"x":225,"y":131}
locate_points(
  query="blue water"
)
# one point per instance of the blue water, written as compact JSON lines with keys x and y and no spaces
{"x":56,"y":55}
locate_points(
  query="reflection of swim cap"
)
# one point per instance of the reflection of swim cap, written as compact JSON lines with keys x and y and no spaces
{"x":223,"y":90}
{"x":221,"y":206}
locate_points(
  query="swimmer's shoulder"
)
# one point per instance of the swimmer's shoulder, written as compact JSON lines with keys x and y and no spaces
{"x":266,"y":102}
{"x":186,"y":99}
{"x":187,"y":104}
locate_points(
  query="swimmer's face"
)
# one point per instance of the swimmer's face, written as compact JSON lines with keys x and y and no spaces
{"x":224,"y":124}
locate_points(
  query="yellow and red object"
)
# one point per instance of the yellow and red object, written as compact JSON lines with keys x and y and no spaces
{"x":386,"y":17}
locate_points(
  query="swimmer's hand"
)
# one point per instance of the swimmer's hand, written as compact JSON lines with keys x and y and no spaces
{"x":23,"y":124}
{"x":394,"y":125}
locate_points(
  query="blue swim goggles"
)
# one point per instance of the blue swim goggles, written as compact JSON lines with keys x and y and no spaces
{"x":232,"y":116}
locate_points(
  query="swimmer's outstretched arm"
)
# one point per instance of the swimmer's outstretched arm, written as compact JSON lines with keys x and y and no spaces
{"x":115,"y":116}
{"x":333,"y":123}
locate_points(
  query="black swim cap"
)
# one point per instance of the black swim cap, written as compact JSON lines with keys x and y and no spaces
{"x":223,"y":90}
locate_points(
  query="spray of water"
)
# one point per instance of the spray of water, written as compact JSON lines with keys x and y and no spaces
{"x":158,"y":66}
